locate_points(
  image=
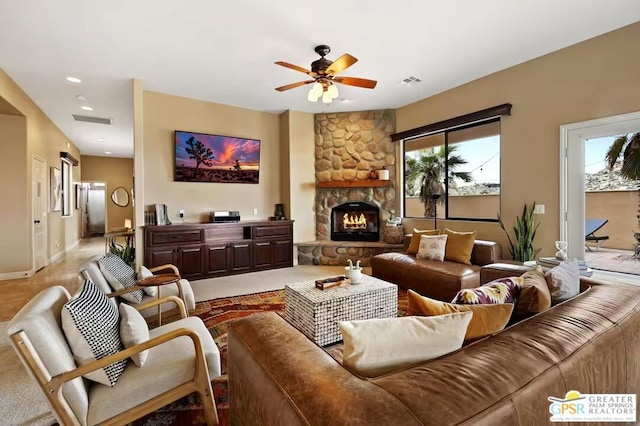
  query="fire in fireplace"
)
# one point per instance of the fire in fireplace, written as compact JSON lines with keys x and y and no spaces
{"x":356,"y":221}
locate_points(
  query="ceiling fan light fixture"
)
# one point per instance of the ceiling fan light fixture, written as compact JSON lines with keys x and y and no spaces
{"x":312,"y":97}
{"x":326,"y":97}
{"x":317,"y":89}
{"x":332,"y":90}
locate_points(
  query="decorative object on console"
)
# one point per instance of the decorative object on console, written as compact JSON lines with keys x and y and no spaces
{"x":432,"y":247}
{"x":162,"y":216}
{"x":487,"y":318}
{"x":414,"y":245}
{"x":323,"y":72}
{"x":561,"y":254}
{"x":378,"y":346}
{"x":203,"y":157}
{"x":524,"y":230}
{"x":279,"y":212}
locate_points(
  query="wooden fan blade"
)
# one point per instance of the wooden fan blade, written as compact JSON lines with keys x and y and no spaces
{"x":358,"y":82}
{"x":293,"y":85}
{"x":297,"y":68}
{"x":341,"y":64}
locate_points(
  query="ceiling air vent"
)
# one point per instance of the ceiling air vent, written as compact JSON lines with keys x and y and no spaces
{"x":87,"y":119}
{"x":411,"y":81}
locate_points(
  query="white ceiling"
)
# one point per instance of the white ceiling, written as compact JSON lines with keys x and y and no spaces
{"x":224,"y":51}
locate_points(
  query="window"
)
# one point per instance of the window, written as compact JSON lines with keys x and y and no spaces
{"x":469,"y":157}
{"x":67,"y":176}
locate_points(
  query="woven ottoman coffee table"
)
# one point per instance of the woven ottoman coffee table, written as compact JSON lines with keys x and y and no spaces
{"x":316,"y":312}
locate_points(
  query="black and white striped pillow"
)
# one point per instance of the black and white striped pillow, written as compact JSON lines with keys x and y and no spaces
{"x":120,"y":275}
{"x":91,"y":324}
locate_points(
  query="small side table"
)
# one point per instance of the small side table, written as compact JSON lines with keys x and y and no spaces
{"x":158,"y":281}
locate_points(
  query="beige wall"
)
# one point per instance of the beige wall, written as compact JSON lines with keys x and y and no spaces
{"x":298,"y":173}
{"x":619,"y":207}
{"x":44,"y":139}
{"x":162,"y":114}
{"x":115,"y":172}
{"x":582,"y":82}
{"x":15,"y":250}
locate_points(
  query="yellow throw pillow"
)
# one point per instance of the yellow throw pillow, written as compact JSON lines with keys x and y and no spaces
{"x":487,"y":319}
{"x":414,"y":245}
{"x":459,"y":246}
{"x":535,"y":296}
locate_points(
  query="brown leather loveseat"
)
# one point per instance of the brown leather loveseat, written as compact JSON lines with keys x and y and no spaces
{"x":589,"y":343}
{"x":438,"y":280}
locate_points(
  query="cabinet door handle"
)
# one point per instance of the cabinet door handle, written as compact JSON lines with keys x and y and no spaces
{"x":241,"y":245}
{"x":217,"y":248}
{"x":263,"y":244}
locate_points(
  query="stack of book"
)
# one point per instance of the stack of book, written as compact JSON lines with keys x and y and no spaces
{"x":551,"y":262}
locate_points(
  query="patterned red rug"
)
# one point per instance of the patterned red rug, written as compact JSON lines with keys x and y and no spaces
{"x":217,"y":315}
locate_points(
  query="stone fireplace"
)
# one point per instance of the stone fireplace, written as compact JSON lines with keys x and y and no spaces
{"x":348,"y":146}
{"x":356,"y":221}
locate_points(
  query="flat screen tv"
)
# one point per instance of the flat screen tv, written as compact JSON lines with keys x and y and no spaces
{"x":202,"y":157}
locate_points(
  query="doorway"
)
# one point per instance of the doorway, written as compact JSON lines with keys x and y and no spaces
{"x":93,"y":208}
{"x":39,"y":193}
{"x":572,"y":173}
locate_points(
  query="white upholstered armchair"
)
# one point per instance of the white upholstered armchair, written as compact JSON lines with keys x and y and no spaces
{"x":182,"y":289}
{"x":181,"y":359}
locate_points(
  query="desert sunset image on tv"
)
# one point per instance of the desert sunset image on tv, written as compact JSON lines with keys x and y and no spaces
{"x":214,"y":158}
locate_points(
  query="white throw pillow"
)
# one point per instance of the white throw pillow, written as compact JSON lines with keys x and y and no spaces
{"x":133,"y":331}
{"x":563,"y":281}
{"x":432,"y":247}
{"x":91,"y":325}
{"x":119,"y":275}
{"x":143,"y":272}
{"x":379,"y":346}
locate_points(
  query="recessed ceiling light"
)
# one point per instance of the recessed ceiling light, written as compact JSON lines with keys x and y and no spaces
{"x":81,"y":97}
{"x":102,"y":140}
{"x":86,"y":108}
{"x":344,"y":100}
{"x":108,"y":152}
{"x":74,"y":80}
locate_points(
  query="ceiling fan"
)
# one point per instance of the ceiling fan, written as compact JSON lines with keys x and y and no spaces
{"x":323,"y":72}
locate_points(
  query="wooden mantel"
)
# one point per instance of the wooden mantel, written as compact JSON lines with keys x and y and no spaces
{"x":363,"y":183}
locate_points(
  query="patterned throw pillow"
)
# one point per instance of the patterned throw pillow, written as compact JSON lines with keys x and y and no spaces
{"x":502,"y":290}
{"x":432,"y":247}
{"x":120,"y":276}
{"x":91,"y":325}
{"x":415,"y":238}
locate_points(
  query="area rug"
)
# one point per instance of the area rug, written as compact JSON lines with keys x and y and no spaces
{"x":218,"y":315}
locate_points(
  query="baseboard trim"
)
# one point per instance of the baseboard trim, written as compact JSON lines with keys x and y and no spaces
{"x":57,"y":256}
{"x":15,"y":275}
{"x":72,"y":246}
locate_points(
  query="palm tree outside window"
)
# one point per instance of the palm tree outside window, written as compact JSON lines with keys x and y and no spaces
{"x":469,"y":157}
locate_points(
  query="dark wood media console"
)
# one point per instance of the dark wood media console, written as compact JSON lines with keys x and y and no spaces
{"x":204,"y":250}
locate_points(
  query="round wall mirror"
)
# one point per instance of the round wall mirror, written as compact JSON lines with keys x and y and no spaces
{"x":120,"y":196}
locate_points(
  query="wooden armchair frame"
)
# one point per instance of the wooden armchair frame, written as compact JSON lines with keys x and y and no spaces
{"x":52,"y":388}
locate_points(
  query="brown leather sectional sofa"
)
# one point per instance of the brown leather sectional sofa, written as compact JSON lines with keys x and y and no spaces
{"x":589,"y":343}
{"x":438,"y":280}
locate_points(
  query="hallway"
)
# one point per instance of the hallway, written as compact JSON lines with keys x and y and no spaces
{"x":16,"y":293}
